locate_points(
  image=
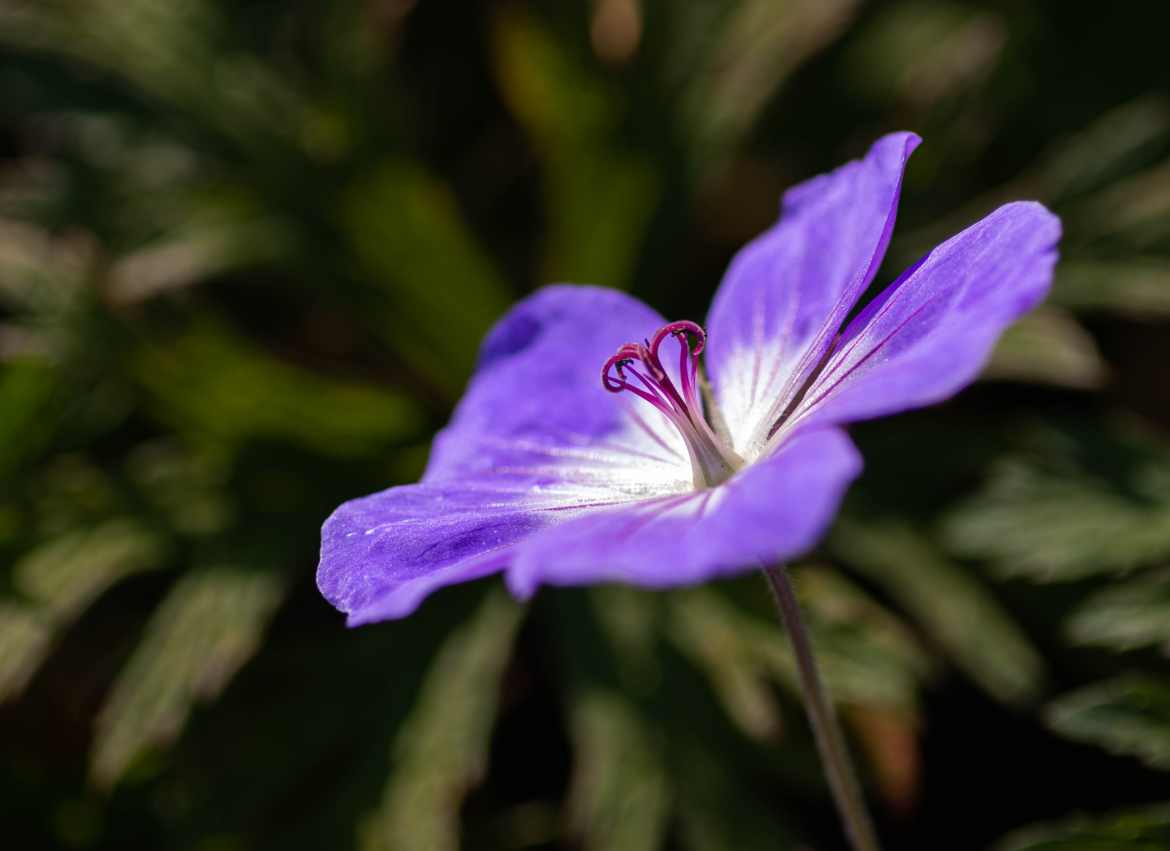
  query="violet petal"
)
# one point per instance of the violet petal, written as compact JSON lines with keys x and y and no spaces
{"x":536,"y":410}
{"x":930,"y":332}
{"x":535,"y":440}
{"x":770,"y":511}
{"x":787,"y":293}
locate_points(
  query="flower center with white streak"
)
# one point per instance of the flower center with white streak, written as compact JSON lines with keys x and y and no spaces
{"x":637,"y":367}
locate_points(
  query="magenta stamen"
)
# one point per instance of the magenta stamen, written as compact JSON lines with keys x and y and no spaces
{"x":712,"y":460}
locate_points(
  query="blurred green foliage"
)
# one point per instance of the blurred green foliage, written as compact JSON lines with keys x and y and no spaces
{"x":247,"y":253}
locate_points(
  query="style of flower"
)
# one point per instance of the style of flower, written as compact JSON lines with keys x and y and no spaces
{"x":591,"y":446}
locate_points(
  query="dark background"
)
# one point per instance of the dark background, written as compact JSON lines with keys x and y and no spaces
{"x":247,"y":253}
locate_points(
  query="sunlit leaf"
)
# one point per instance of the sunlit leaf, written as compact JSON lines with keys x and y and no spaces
{"x":620,"y":793}
{"x":65,"y":575}
{"x":959,"y":613}
{"x":177,"y":55}
{"x":1126,"y":715}
{"x":757,"y":47}
{"x":942,"y":50}
{"x":26,"y":634}
{"x":191,"y":256}
{"x":1136,"y":207}
{"x":441,"y":749}
{"x":1113,"y":145}
{"x":1134,"y":287}
{"x":55,"y":582}
{"x":1048,"y":346}
{"x":211,"y":623}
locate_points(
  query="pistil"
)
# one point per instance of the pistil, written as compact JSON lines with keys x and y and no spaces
{"x":637,"y":367}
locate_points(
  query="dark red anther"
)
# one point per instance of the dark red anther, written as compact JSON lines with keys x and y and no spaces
{"x":684,"y":331}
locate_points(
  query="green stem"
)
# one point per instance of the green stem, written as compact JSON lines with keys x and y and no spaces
{"x":830,"y":741}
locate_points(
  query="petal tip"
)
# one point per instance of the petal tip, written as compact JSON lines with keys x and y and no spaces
{"x":894,"y":149}
{"x":521,"y":583}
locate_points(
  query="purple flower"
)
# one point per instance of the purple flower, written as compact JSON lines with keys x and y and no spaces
{"x":591,"y":448}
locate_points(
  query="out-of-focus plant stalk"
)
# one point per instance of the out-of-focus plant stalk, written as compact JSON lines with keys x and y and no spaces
{"x":830,"y":741}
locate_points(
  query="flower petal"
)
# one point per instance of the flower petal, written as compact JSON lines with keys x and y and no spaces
{"x":788,"y":292}
{"x":770,"y":511}
{"x":930,"y":332}
{"x":535,"y":440}
{"x":536,"y":410}
{"x":382,"y":554}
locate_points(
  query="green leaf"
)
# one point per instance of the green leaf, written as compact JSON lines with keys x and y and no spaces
{"x":220,"y":387}
{"x":1129,"y":714}
{"x":600,"y":190}
{"x":620,"y":793}
{"x":56,"y":582}
{"x":1070,"y":176}
{"x":919,"y":53}
{"x":26,"y":634}
{"x":1134,"y":830}
{"x":759,"y":46}
{"x":1127,"y":616}
{"x":26,"y":393}
{"x":1053,"y":522}
{"x":1111,"y":145}
{"x":958,"y":612}
{"x":192,"y":254}
{"x":177,"y":55}
{"x":210,"y":624}
{"x":65,"y":575}
{"x":720,"y":810}
{"x":441,"y":750}
{"x":1137,"y":287}
{"x":1048,"y":346}
{"x":1135,"y":208}
{"x":444,"y":291}
{"x":865,"y":654}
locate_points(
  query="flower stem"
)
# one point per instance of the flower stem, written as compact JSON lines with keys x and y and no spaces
{"x":830,"y":741}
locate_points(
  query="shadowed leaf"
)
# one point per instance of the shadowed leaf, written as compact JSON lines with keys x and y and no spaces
{"x":600,"y":190}
{"x":866,"y":655}
{"x":1050,"y":524}
{"x":220,"y":386}
{"x":719,"y":810}
{"x":26,"y":394}
{"x":444,"y":291}
{"x":1136,"y":830}
{"x":1126,"y":715}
